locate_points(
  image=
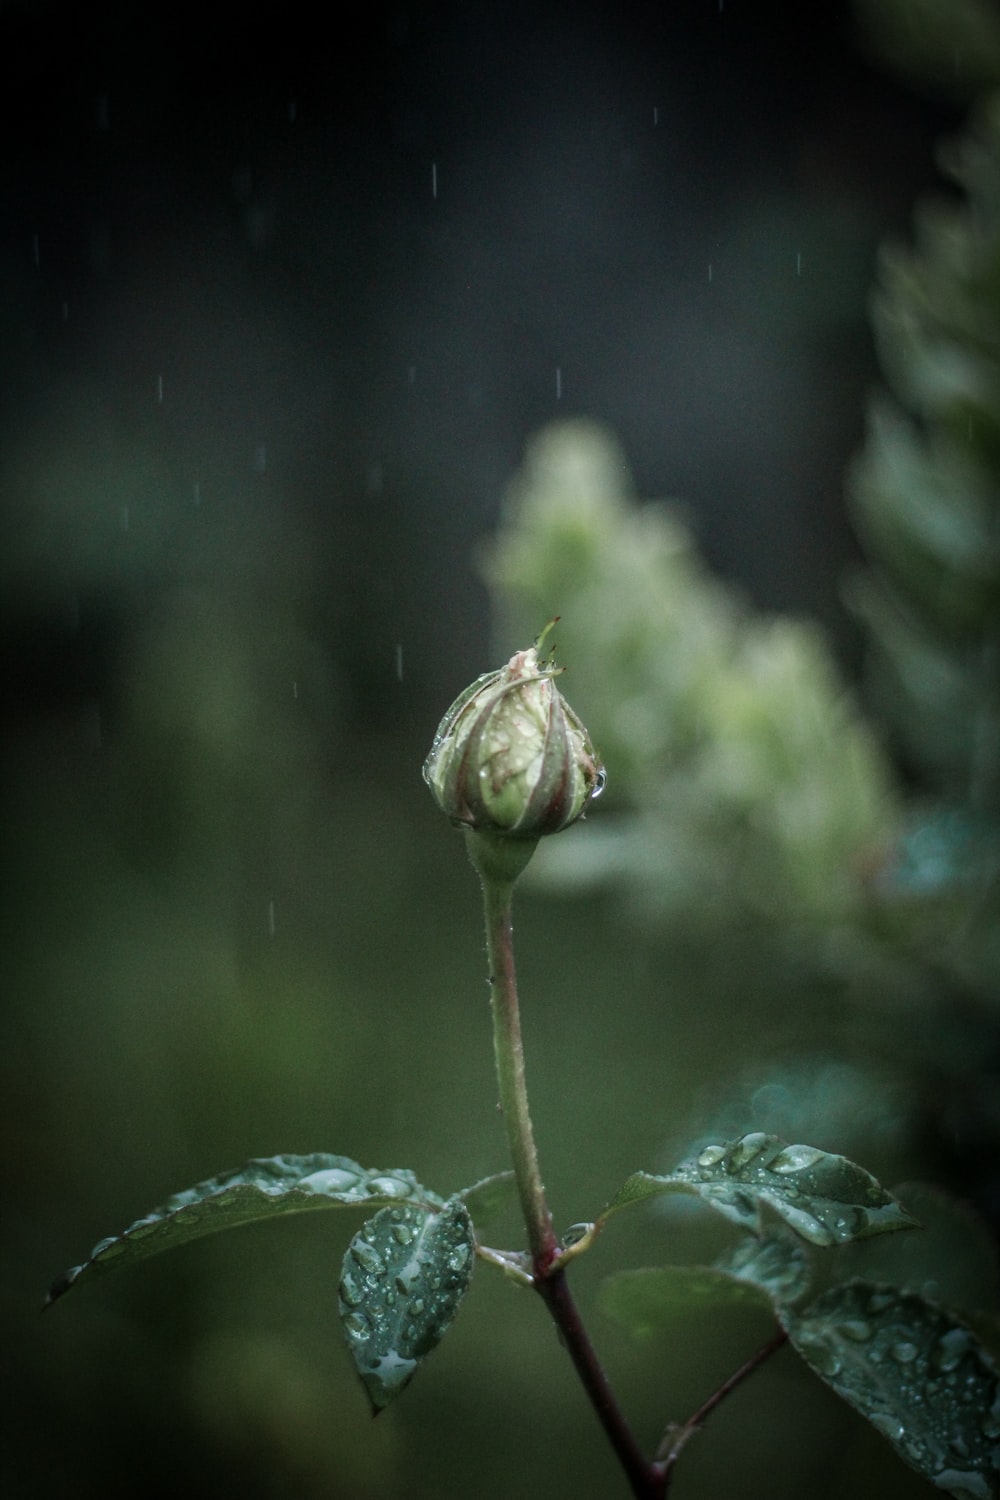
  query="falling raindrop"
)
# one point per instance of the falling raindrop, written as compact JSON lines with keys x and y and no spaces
{"x":159,"y":388}
{"x":293,"y":111}
{"x":260,"y":458}
{"x":558,"y":382}
{"x":710,"y":270}
{"x":124,"y":518}
{"x":270,"y":919}
{"x":656,"y":115}
{"x":399,"y":661}
{"x":434,"y":179}
{"x":197,"y":492}
{"x":798,"y":263}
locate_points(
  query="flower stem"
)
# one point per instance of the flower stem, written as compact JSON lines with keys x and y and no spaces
{"x":509,"y":1053}
{"x":646,"y":1480}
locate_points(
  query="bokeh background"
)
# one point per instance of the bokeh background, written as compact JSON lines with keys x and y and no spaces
{"x":284,"y":299}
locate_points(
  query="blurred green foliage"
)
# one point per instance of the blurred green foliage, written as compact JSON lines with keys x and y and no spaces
{"x":743,"y":779}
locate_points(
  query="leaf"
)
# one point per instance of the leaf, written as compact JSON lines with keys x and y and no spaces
{"x":486,"y":1198}
{"x":259,"y":1190}
{"x":919,"y":1375}
{"x":404,"y":1275}
{"x":765,"y":1273}
{"x":825,"y":1198}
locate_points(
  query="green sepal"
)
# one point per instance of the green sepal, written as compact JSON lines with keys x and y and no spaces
{"x":825,"y":1198}
{"x":404,"y":1275}
{"x":261,"y":1189}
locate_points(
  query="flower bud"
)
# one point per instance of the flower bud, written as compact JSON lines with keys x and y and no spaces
{"x":510,"y":755}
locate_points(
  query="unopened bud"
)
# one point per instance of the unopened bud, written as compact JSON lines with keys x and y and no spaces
{"x":511,"y":757}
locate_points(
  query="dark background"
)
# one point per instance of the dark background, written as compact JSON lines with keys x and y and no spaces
{"x":675,"y":208}
{"x":283,"y":299}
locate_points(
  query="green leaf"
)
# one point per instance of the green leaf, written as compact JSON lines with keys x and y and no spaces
{"x":919,"y":1375}
{"x":259,"y":1190}
{"x":825,"y":1198}
{"x":488,"y":1197}
{"x":766,"y":1273}
{"x":404,"y":1275}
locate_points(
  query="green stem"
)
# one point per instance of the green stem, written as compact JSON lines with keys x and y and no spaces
{"x":509,"y":1053}
{"x":496,"y":867}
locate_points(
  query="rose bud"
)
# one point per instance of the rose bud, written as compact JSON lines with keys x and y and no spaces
{"x":511,"y":757}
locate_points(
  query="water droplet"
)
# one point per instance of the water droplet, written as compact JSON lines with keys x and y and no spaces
{"x":402,"y":1234}
{"x":711,"y":1156}
{"x":388,"y":1187}
{"x":357,"y":1326}
{"x":329,"y":1180}
{"x":367,"y":1257}
{"x":459,"y":1258}
{"x":746,"y":1150}
{"x":905,"y":1352}
{"x":950,"y":1348}
{"x":350,"y":1292}
{"x":888,"y":1424}
{"x":821,"y":1354}
{"x":858,"y":1330}
{"x":795,"y":1159}
{"x":600,"y":782}
{"x":417,"y":1306}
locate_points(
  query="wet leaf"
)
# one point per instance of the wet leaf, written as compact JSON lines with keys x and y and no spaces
{"x":825,"y":1198}
{"x":764,"y":1272}
{"x":404,"y":1275}
{"x":259,"y":1190}
{"x":917,"y":1372}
